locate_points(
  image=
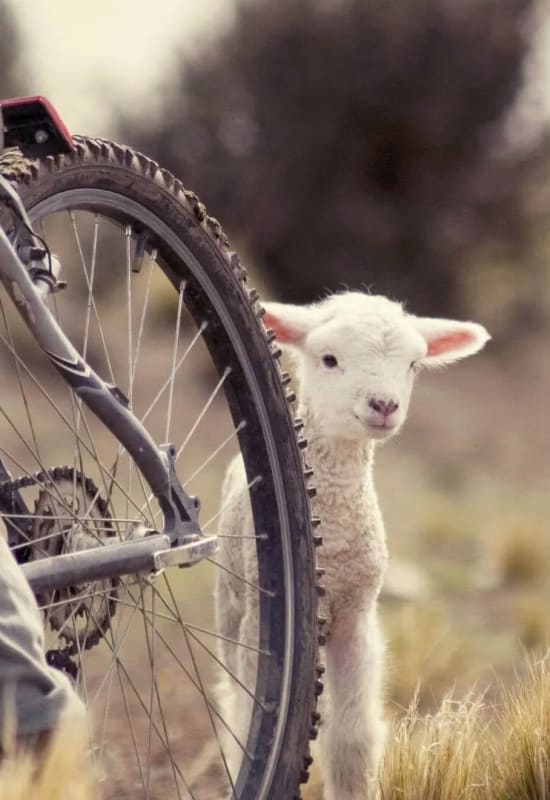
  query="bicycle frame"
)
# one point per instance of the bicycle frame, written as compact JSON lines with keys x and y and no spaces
{"x":181,"y":541}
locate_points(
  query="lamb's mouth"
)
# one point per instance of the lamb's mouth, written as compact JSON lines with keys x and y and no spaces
{"x":378,"y":429}
{"x":381,"y":430}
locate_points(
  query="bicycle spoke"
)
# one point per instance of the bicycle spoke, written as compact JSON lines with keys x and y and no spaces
{"x":90,"y":286}
{"x":76,"y":402}
{"x":197,"y":422}
{"x":210,"y":708}
{"x":155,"y":690}
{"x":174,"y":361}
{"x":151,"y":653}
{"x":92,"y":299}
{"x":173,"y":616}
{"x":213,"y":394}
{"x":79,"y":462}
{"x":181,"y":360}
{"x":187,"y":629}
{"x":241,"y":578}
{"x":83,"y":688}
{"x":234,"y":433}
{"x":118,"y":642}
{"x":118,"y":639}
{"x":20,"y":381}
{"x":226,"y":639}
{"x":226,"y":669}
{"x":70,"y":427}
{"x":145,"y":307}
{"x":108,"y":680}
{"x":128,"y":234}
{"x":250,"y":485}
{"x":120,"y":665}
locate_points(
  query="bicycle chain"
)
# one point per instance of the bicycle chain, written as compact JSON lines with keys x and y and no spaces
{"x":42,"y":479}
{"x":53,"y":475}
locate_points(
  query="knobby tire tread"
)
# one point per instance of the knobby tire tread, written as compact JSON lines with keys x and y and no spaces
{"x":120,"y":166}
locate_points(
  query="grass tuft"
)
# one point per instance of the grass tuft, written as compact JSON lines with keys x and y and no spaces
{"x":435,"y":757}
{"x":520,"y":769}
{"x":63,"y":772}
{"x":468,"y":750}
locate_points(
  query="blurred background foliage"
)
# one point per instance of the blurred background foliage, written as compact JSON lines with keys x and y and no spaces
{"x":363,"y":143}
{"x":11,"y":81}
{"x":389,"y":145}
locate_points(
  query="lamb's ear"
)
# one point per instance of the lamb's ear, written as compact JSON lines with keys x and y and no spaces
{"x":449,"y":340}
{"x":290,"y":323}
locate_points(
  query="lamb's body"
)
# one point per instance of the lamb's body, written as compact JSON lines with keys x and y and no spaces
{"x":354,"y":556}
{"x":355,"y":366}
{"x":354,"y":552}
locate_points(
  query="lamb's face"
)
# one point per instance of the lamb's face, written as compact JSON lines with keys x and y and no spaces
{"x":357,"y":375}
{"x":358,"y":355}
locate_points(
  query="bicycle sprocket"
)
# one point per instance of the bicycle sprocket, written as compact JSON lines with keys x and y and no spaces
{"x":70,"y":515}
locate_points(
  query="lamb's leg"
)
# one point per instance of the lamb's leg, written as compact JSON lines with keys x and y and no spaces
{"x":239,"y":701}
{"x":353,"y":736}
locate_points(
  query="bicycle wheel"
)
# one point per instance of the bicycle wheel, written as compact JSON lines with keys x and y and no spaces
{"x":157,"y":303}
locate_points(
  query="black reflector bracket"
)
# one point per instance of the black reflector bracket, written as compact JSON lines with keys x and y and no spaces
{"x":33,"y":125}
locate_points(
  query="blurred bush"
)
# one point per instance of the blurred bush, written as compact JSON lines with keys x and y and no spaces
{"x":532,"y":622}
{"x":522,"y":554}
{"x":360,"y":143}
{"x":10,"y":82}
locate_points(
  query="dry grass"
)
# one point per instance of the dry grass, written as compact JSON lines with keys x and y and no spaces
{"x":520,"y":769}
{"x":425,"y":655}
{"x":470,"y":751}
{"x":63,"y":773}
{"x":435,"y":757}
{"x":466,"y":750}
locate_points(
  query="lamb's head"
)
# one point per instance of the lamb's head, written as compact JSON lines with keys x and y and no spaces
{"x":357,"y":357}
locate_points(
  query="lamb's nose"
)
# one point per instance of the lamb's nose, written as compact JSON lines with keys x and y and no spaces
{"x":384,"y":407}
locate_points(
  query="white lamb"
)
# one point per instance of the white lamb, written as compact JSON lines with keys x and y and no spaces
{"x":356,"y":357}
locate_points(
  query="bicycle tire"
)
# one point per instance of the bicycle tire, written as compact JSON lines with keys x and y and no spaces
{"x":128,"y":189}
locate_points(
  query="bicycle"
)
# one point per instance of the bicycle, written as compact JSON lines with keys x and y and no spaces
{"x":101,"y":517}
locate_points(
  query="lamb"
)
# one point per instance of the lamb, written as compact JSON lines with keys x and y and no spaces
{"x":356,"y":356}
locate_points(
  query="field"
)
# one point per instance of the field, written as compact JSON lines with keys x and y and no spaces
{"x":464,"y":494}
{"x":471,"y":474}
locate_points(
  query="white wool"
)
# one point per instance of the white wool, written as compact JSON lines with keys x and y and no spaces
{"x":356,"y":359}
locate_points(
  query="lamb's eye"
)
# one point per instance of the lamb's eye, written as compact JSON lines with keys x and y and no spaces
{"x":412,"y":365}
{"x":330,"y":361}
